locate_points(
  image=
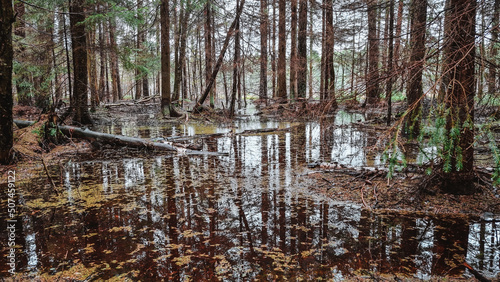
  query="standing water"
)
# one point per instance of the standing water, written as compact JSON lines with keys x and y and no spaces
{"x":247,"y":215}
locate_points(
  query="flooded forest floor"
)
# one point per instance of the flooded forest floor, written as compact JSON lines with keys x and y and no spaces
{"x":324,"y":156}
{"x":362,"y":184}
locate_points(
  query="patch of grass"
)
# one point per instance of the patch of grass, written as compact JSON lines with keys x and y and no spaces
{"x":397,"y":96}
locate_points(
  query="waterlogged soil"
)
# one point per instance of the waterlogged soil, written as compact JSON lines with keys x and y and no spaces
{"x":307,"y":201}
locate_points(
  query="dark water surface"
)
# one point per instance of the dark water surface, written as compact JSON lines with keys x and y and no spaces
{"x":245,"y":216}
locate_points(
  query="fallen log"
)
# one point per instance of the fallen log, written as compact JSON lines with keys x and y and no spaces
{"x":132,"y":103}
{"x":105,"y":138}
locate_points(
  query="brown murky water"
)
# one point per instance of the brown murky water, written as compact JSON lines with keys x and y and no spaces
{"x":245,"y":216}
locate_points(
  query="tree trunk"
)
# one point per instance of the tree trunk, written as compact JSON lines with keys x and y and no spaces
{"x":145,"y":81}
{"x":92,"y":69}
{"x":263,"y":50}
{"x":236,"y":65}
{"x":115,"y":72}
{"x":397,"y":38}
{"x":112,"y":139}
{"x":166,"y":104}
{"x":311,"y":43}
{"x":414,"y":92}
{"x":390,"y":68}
{"x":177,"y":62}
{"x":302,"y":51}
{"x":22,"y":88}
{"x":6,"y":100}
{"x":102,"y":70}
{"x":293,"y":51}
{"x":281,"y":91}
{"x":329,"y":75}
{"x":79,"y":48}
{"x":459,"y":55}
{"x":372,"y":80}
{"x":273,"y":52}
{"x":322,"y":92}
{"x":183,"y":43}
{"x":200,"y":69}
{"x":208,"y":45}
{"x":138,"y":73}
{"x":492,"y":75}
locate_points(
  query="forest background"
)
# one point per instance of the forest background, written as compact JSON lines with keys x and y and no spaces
{"x":440,"y":54}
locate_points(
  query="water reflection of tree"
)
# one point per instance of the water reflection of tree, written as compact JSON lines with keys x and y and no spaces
{"x":239,"y":219}
{"x":450,"y":246}
{"x":483,"y":251}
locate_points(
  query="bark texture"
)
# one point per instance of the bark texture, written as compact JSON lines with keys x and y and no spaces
{"x":372,"y":80}
{"x":329,"y":72}
{"x":166,"y":101}
{"x":281,"y":91}
{"x":6,"y":101}
{"x":414,"y":92}
{"x":263,"y":49}
{"x":79,"y":48}
{"x":302,"y":51}
{"x":459,"y":55}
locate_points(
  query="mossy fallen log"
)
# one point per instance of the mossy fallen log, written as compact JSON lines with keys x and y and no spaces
{"x":112,"y":139}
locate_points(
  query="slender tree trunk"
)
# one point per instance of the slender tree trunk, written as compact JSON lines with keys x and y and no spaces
{"x":6,"y":99}
{"x":92,"y":69}
{"x":397,"y":38}
{"x":390,"y":68}
{"x":68,"y":64}
{"x":208,"y":46}
{"x":414,"y":92}
{"x":115,"y":72}
{"x":459,"y":55}
{"x":79,"y":48}
{"x":311,"y":42}
{"x":322,"y":92}
{"x":242,"y":82}
{"x":107,"y":63}
{"x":492,"y":75}
{"x":236,"y":64}
{"x":273,"y":53}
{"x":263,"y":50}
{"x":177,"y":39}
{"x":293,"y":51}
{"x":226,"y":91}
{"x":213,"y":94}
{"x":184,"y":82}
{"x":145,"y":85}
{"x":141,"y":39}
{"x":482,"y":53}
{"x":302,"y":51}
{"x":445,"y":78}
{"x":57,"y":89}
{"x":183,"y":42}
{"x":145,"y":78}
{"x":372,"y":80}
{"x":329,"y":76}
{"x":353,"y":65}
{"x":138,"y":73}
{"x":200,"y":69}
{"x":102,"y":86}
{"x":281,"y":91}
